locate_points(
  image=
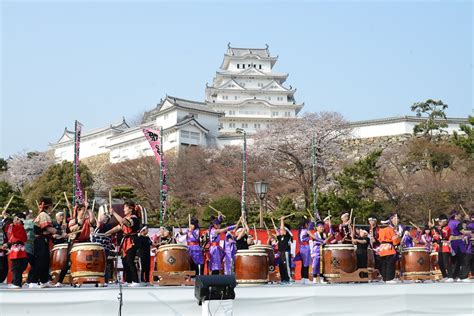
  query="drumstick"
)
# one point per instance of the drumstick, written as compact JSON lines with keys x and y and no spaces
{"x":189,"y":219}
{"x":350,"y":216}
{"x":411,"y":223}
{"x":329,"y":215}
{"x":464,"y":211}
{"x":93,"y":206}
{"x":287,"y":216}
{"x":37,"y":204}
{"x":218,"y":212}
{"x":56,"y":205}
{"x":274,"y":226}
{"x":110,"y":198}
{"x":86,"y":200}
{"x":8,"y":203}
{"x":255,"y":232}
{"x":68,"y":203}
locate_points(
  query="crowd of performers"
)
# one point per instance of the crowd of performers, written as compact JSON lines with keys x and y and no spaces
{"x":28,"y":239}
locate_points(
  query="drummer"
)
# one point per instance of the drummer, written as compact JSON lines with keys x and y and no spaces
{"x":81,"y":228}
{"x":373,"y":234}
{"x":426,"y":238}
{"x":304,"y":235}
{"x":194,"y":248}
{"x":130,"y":226}
{"x":388,"y":240}
{"x":60,"y":237}
{"x":441,"y":235}
{"x":345,"y":230}
{"x":215,"y":251}
{"x":470,"y":227}
{"x":362,"y":242}
{"x":319,"y":239}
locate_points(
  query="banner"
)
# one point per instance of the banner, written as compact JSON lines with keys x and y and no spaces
{"x":78,"y":194}
{"x":154,"y":139}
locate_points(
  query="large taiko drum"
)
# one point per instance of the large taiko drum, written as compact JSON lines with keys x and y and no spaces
{"x":270,"y":253}
{"x":415,"y":262}
{"x":172,"y":258}
{"x":87,"y":260}
{"x":339,"y":257}
{"x":57,"y":260}
{"x":251,"y":266}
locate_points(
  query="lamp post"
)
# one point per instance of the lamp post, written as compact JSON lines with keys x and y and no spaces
{"x":243,"y":201}
{"x":261,"y":189}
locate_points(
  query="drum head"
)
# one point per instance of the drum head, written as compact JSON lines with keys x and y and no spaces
{"x":251,"y":252}
{"x":172,"y":247}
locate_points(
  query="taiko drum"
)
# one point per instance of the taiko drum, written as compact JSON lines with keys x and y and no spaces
{"x":251,"y":266}
{"x":87,"y":260}
{"x":172,"y":258}
{"x":339,"y":257}
{"x":270,"y":254}
{"x":415,"y":261}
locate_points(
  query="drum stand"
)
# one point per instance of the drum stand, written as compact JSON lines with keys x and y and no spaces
{"x":359,"y":275}
{"x":417,"y":277}
{"x":173,"y":278}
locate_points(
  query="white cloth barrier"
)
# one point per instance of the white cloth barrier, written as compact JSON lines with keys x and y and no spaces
{"x":403,"y":299}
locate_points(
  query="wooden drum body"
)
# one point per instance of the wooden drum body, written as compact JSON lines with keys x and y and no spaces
{"x":270,"y":253}
{"x":87,"y":260}
{"x":251,"y":266}
{"x":415,"y":262}
{"x":58,"y":259}
{"x":434,"y":266}
{"x":339,"y":257}
{"x":172,"y":258}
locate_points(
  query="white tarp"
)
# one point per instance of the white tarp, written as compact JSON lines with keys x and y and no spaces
{"x":353,"y":299}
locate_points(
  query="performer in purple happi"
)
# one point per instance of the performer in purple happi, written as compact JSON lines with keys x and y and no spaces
{"x":194,"y":248}
{"x":470,"y":228}
{"x":215,"y":251}
{"x":305,"y":251}
{"x":230,"y":249}
{"x":407,"y":240}
{"x":319,"y":239}
{"x":458,"y":246}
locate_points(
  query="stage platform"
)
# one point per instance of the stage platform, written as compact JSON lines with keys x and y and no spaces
{"x":294,"y":299}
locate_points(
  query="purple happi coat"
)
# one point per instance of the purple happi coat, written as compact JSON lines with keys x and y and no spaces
{"x":457,"y":245}
{"x":230,"y":249}
{"x":470,"y":245}
{"x":194,"y":249}
{"x":215,"y":250}
{"x":305,"y":250}
{"x":317,"y":246}
{"x":426,"y":240}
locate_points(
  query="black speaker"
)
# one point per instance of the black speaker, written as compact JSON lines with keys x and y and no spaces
{"x":214,"y":287}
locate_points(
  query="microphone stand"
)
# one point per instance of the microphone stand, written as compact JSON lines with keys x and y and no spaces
{"x":117,"y":281}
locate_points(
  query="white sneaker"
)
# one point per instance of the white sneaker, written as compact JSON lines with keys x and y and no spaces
{"x":322,"y":281}
{"x":13,"y":286}
{"x":134,"y":284}
{"x":467,"y":280}
{"x":449,"y":280}
{"x":45,"y":285}
{"x":33,"y":285}
{"x":391,"y":282}
{"x":315,"y":280}
{"x":58,"y":284}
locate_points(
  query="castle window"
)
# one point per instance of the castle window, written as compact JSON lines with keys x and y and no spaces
{"x":249,"y":65}
{"x":243,"y":66}
{"x":165,"y":117}
{"x":287,"y":114}
{"x":238,"y":66}
{"x":231,"y":125}
{"x":236,"y":97}
{"x":245,"y":125}
{"x":259,"y":66}
{"x":274,"y":114}
{"x":280,"y":98}
{"x":256,"y":125}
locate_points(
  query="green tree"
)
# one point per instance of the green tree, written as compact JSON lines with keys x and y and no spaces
{"x":123,"y":192}
{"x":229,"y":206}
{"x":355,"y":189}
{"x":466,"y":141}
{"x":434,"y":112}
{"x":6,"y":192}
{"x":55,"y":180}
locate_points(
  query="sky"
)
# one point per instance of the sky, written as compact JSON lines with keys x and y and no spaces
{"x":99,"y":61}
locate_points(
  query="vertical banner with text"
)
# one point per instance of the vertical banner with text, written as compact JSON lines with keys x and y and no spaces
{"x":155,"y":140}
{"x":78,"y":194}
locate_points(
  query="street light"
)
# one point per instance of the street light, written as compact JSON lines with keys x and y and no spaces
{"x":261,"y":189}
{"x":243,"y":203}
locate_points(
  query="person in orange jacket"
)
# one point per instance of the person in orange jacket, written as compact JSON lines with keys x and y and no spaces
{"x":388,"y":239}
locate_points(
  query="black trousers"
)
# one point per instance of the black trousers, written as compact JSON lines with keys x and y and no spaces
{"x":31,"y":274}
{"x":461,"y":265}
{"x":215,"y":272}
{"x":444,"y":264}
{"x":129,"y":267}
{"x":198,"y":268}
{"x":471,"y":263}
{"x":41,"y":267}
{"x":361,"y":259}
{"x":145,"y":265}
{"x":305,"y":272}
{"x":283,"y":266}
{"x":18,"y":267}
{"x":387,"y":267}
{"x":3,"y":266}
{"x":67,"y":263}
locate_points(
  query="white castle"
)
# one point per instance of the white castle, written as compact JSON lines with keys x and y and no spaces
{"x":245,"y":93}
